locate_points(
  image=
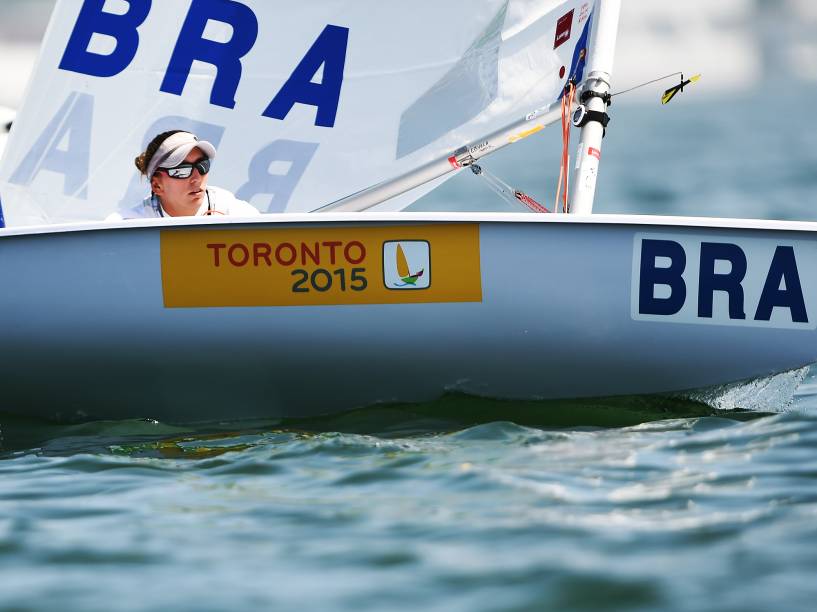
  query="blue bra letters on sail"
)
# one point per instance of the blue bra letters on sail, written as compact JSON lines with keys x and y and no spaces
{"x":328,"y":50}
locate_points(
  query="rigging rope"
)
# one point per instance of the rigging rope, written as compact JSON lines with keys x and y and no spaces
{"x":564,"y":172}
{"x":508,"y":193}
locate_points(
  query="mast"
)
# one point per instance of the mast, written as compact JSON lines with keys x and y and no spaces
{"x":595,"y":98}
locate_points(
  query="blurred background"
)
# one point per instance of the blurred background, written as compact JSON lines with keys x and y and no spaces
{"x":732,"y":145}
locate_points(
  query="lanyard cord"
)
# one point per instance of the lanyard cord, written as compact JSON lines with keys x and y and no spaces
{"x":157,"y":204}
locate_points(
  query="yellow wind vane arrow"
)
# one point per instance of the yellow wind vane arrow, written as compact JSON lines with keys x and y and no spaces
{"x":670,"y":93}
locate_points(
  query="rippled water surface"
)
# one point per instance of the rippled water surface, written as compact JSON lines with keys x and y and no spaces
{"x":404,"y":510}
{"x":463,"y":504}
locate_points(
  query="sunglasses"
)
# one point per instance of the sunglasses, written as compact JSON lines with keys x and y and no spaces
{"x":183,"y":171}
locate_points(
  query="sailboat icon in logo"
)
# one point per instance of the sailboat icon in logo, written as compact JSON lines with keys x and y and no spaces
{"x":406,"y":264}
{"x":403,"y":270}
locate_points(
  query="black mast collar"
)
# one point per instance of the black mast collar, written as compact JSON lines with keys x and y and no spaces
{"x":589,"y":93}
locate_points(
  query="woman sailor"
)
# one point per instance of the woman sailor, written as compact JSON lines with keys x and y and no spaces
{"x":177,"y":165}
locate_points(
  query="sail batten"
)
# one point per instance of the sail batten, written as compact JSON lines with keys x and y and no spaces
{"x":306,"y":104}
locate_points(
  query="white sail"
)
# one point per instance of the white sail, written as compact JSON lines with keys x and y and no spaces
{"x":307,"y":103}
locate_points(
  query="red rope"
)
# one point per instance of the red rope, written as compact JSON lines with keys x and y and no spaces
{"x":530,"y":202}
{"x":564,"y":170}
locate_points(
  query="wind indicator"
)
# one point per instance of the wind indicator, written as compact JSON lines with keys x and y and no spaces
{"x":670,"y":93}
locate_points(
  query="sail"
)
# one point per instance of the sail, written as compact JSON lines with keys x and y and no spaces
{"x":402,"y":263}
{"x":306,"y":102}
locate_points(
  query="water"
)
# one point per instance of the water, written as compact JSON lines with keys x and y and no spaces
{"x":393,"y":510}
{"x":463,"y":504}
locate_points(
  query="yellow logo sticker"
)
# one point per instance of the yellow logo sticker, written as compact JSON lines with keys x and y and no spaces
{"x":322,"y":266}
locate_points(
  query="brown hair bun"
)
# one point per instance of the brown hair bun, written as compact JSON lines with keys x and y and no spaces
{"x":143,"y":161}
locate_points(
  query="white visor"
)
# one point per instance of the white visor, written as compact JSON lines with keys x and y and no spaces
{"x":175,"y":148}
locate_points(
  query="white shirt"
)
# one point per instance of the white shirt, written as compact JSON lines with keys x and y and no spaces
{"x":217,"y":202}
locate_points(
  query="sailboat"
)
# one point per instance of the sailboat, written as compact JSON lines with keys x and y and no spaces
{"x":404,"y":272}
{"x":331,"y":118}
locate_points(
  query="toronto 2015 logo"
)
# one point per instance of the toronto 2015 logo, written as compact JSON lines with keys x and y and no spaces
{"x":407,"y":264}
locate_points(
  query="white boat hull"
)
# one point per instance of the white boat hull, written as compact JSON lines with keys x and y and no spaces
{"x":86,"y":332}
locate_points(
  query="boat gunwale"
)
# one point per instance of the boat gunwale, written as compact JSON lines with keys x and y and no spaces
{"x":365,"y":218}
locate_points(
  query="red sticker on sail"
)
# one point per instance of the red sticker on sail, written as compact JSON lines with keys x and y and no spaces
{"x":563,"y":27}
